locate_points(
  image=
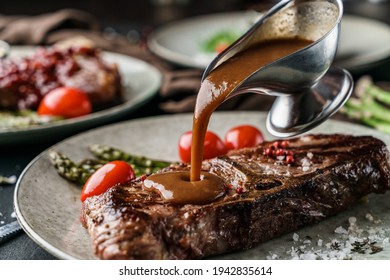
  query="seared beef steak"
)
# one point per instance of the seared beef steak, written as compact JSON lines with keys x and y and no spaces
{"x":266,"y":198}
{"x":24,"y":81}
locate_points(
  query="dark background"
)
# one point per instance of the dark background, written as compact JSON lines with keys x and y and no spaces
{"x":129,"y":13}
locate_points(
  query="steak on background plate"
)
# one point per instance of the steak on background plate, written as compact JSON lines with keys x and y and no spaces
{"x":266,"y":198}
{"x":24,"y":81}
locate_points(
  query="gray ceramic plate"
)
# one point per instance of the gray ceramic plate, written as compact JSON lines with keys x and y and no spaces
{"x":362,"y":41}
{"x":141,"y":82}
{"x":48,"y":207}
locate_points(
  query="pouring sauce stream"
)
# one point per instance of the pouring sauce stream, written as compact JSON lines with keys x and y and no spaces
{"x":224,"y":79}
{"x":199,"y":187}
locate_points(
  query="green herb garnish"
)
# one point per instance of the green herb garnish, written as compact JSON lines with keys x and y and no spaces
{"x":219,"y":41}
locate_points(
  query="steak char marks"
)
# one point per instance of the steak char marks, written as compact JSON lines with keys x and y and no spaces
{"x":265,"y":199}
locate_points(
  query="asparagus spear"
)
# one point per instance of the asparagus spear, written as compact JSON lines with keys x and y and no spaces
{"x":365,"y":89}
{"x":23,"y":119}
{"x":370,"y":106}
{"x":379,"y":94}
{"x":79,"y":173}
{"x":93,"y":164}
{"x":365,"y":118}
{"x":108,"y":153}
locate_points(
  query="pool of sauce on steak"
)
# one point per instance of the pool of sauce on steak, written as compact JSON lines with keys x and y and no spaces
{"x":197,"y":187}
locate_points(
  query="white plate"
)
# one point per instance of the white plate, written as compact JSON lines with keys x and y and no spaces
{"x":48,"y":207}
{"x":141,"y":82}
{"x":362,"y":41}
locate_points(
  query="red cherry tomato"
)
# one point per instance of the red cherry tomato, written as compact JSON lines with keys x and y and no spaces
{"x":66,"y":102}
{"x":243,"y":136}
{"x":213,"y":146}
{"x":107,"y":176}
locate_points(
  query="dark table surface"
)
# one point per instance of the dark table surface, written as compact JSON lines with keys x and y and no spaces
{"x":12,"y":162}
{"x":13,"y":159}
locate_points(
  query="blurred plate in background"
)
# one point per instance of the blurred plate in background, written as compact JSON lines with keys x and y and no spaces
{"x":140,"y":80}
{"x":362,"y":41}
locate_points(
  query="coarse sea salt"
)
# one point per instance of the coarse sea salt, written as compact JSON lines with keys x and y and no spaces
{"x":9,"y":180}
{"x":369,"y":217}
{"x":305,"y":162}
{"x":306,"y":138}
{"x":347,"y":244}
{"x":341,"y":230}
{"x":305,"y":168}
{"x":280,"y":158}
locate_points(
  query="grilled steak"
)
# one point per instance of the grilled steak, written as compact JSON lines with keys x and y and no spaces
{"x":266,"y":197}
{"x":24,"y":81}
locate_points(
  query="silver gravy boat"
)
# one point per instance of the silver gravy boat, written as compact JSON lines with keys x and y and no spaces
{"x":308,"y":91}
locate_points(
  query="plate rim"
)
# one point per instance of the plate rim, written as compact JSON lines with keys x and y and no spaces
{"x":96,"y":117}
{"x":25,"y":225}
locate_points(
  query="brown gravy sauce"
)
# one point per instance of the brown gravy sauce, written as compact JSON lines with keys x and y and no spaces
{"x":178,"y":188}
{"x":198,"y":187}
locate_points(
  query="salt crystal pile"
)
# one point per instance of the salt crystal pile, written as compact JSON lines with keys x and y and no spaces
{"x":347,"y":244}
{"x":306,"y":163}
